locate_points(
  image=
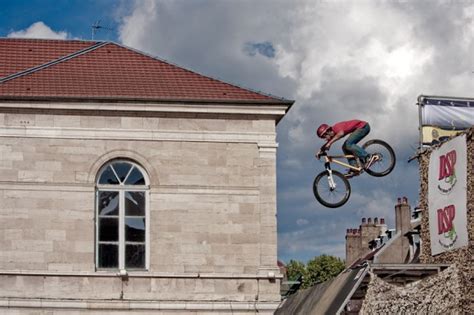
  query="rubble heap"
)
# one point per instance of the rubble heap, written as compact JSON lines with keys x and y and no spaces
{"x":438,"y":294}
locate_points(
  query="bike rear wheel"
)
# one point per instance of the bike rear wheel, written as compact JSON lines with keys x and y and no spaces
{"x":331,"y":198}
{"x":387,"y":159}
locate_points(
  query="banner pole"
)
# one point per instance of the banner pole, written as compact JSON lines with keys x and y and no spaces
{"x":420,"y":113}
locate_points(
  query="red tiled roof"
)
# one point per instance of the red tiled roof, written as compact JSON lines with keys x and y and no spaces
{"x":21,"y":54}
{"x":105,"y":71}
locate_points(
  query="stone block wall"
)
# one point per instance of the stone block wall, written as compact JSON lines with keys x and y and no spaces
{"x":212,"y":210}
{"x":464,"y":257}
{"x":206,"y":217}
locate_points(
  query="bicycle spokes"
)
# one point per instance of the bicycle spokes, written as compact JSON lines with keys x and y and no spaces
{"x":386,"y":158}
{"x":381,"y":164}
{"x":331,"y":189}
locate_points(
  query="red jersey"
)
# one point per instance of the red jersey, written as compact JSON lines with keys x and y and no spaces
{"x":348,"y":126}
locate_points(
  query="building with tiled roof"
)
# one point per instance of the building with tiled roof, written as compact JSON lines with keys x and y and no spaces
{"x":131,"y":184}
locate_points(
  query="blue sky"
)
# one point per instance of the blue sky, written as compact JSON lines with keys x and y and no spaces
{"x":73,"y":16}
{"x":337,"y":59}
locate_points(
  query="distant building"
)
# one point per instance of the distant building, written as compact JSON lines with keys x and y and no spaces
{"x":358,"y":241}
{"x":383,"y":245}
{"x":131,"y":184}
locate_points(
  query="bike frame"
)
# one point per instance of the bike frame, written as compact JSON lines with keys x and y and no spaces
{"x":328,"y":159}
{"x":333,"y":159}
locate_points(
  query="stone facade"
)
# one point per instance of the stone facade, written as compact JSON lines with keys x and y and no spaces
{"x":212,"y":206}
{"x":464,"y":257}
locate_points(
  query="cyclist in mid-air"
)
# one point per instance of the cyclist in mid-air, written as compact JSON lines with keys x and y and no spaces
{"x":357,"y":130}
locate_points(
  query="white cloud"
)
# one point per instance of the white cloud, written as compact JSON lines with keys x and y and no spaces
{"x":367,"y":42}
{"x":137,"y":28}
{"x":375,"y":203}
{"x":38,"y":30}
{"x":302,"y":222}
{"x":365,"y":38}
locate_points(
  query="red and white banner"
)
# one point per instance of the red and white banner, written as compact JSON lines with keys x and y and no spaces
{"x":447,"y":196}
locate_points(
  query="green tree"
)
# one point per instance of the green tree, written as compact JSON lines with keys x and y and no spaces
{"x":322,"y":268}
{"x":317,"y":270}
{"x":294,"y":269}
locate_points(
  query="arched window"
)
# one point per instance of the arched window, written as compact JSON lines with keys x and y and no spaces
{"x":122,"y":217}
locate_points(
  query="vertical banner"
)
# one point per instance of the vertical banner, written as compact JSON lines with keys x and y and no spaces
{"x":447,"y":196}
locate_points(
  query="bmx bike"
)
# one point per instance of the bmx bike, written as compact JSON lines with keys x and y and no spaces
{"x":332,"y":189}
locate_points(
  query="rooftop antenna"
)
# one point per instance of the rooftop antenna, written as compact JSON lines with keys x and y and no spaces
{"x":96,"y":27}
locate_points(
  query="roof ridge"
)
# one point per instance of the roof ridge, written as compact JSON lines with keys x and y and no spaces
{"x":49,"y":39}
{"x":200,"y":74}
{"x":53,"y":62}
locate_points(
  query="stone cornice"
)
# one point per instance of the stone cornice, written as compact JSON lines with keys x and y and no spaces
{"x":264,"y":139}
{"x":275,"y":110}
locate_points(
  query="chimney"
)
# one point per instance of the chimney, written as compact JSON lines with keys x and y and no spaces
{"x":382,"y":221}
{"x":376,"y":220}
{"x":363,"y":220}
{"x":352,"y":232}
{"x":369,"y":220}
{"x":402,"y":216}
{"x":353,"y":246}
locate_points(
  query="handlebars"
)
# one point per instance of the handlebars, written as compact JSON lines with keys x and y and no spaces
{"x":322,"y":152}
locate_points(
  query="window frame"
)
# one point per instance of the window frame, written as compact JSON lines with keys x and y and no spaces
{"x":121,"y":188}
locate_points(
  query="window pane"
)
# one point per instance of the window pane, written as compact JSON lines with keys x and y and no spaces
{"x":108,"y":229}
{"x":135,"y":229}
{"x":108,"y":256}
{"x":135,"y":178}
{"x":135,"y":203}
{"x":135,"y":256}
{"x":108,"y":203}
{"x":122,"y":169}
{"x":108,"y":177}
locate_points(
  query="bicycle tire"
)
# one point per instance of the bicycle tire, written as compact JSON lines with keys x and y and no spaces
{"x":319,"y":182}
{"x":387,"y":156}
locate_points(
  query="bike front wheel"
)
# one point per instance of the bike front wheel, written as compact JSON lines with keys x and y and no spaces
{"x":331,"y":196}
{"x":386,"y":162}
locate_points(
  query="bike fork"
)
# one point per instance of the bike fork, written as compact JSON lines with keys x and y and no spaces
{"x":332,"y":184}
